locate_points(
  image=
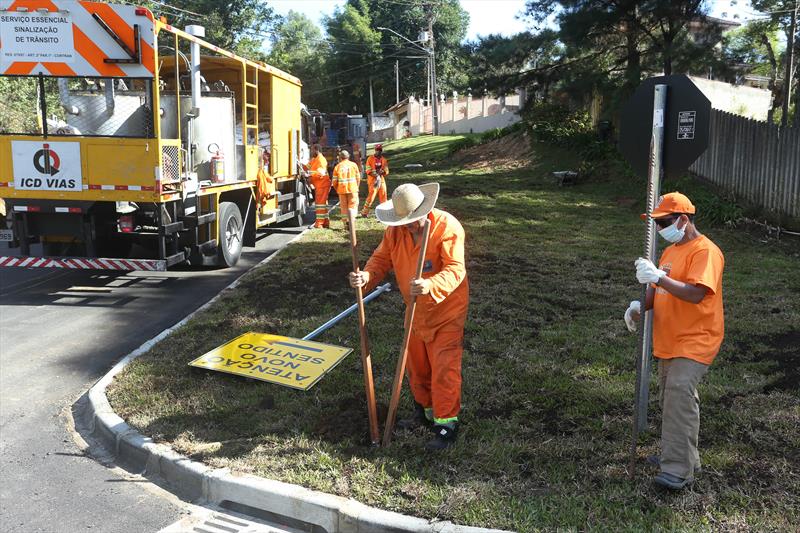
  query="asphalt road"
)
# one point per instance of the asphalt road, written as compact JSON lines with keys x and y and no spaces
{"x":60,"y":331}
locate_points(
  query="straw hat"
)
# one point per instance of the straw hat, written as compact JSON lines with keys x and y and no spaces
{"x":408,"y":204}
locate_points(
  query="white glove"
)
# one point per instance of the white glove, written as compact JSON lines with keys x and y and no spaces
{"x":377,"y":182}
{"x":647,"y":272}
{"x":635,"y":307}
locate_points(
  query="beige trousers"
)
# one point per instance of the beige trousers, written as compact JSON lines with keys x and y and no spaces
{"x":680,"y":414}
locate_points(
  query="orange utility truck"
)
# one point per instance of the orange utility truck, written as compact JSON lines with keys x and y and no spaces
{"x":128,"y":144}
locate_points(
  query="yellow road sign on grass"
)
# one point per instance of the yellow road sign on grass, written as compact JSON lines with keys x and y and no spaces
{"x":283,"y":360}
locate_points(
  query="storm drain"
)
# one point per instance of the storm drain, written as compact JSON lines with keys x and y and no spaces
{"x":207,"y":521}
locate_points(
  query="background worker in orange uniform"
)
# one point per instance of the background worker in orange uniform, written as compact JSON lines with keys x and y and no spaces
{"x":346,"y":179}
{"x":318,"y":172}
{"x":437,"y":334}
{"x":688,"y":326}
{"x":377,"y":169}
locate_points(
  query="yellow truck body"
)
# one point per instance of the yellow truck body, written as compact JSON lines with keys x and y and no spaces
{"x":144,"y":132}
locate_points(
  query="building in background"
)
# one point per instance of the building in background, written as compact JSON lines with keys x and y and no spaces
{"x":457,"y":114}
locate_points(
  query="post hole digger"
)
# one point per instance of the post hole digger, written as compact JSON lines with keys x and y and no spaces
{"x":366,"y":358}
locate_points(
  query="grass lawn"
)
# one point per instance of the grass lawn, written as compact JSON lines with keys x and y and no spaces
{"x":549,"y":369}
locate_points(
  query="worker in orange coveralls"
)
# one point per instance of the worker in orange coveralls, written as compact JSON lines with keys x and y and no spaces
{"x":318,"y":173}
{"x":437,"y":334}
{"x":377,"y":170}
{"x":346,"y":179}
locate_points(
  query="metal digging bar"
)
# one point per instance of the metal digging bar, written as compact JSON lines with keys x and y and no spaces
{"x":380,"y":289}
{"x":646,"y":320}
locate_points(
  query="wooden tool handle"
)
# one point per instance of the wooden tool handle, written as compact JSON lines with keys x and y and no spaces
{"x":401,"y":362}
{"x":366,"y":357}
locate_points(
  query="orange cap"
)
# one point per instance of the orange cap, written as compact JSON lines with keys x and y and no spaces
{"x":673,"y":202}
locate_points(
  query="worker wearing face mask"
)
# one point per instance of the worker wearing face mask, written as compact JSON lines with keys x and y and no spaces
{"x":685,"y":295}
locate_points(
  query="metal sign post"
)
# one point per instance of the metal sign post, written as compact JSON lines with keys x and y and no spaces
{"x":646,"y":321}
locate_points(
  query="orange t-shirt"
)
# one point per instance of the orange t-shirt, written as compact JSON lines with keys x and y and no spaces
{"x":445,"y":307}
{"x":346,"y":177}
{"x":681,"y":328}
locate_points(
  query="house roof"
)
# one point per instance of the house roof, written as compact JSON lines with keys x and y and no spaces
{"x":395,"y":107}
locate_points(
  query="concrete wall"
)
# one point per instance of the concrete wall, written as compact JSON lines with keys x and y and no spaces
{"x":459,"y":114}
{"x":739,"y":100}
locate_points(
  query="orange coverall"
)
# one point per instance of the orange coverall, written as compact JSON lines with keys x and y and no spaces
{"x":372,"y":177}
{"x":437,"y":334}
{"x":318,"y":169}
{"x":346,"y":179}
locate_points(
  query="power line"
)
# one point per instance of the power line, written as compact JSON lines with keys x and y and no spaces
{"x":349,"y":84}
{"x":175,"y":8}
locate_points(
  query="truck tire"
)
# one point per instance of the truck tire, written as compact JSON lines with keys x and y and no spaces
{"x":300,"y":203}
{"x":230,"y":234}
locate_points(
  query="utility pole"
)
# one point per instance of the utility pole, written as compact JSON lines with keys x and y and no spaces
{"x":397,"y":81}
{"x":371,"y":108}
{"x":789,"y":77}
{"x":432,"y":56}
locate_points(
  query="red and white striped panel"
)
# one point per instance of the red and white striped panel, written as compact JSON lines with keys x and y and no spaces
{"x":38,"y":209}
{"x":119,"y":188}
{"x":85,"y":263}
{"x":91,"y":43}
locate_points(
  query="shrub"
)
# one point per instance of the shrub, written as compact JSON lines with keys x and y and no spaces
{"x":558,"y":124}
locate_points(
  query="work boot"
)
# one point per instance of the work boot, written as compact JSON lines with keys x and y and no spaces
{"x":444,"y":437}
{"x":671,"y":481}
{"x":417,"y":419}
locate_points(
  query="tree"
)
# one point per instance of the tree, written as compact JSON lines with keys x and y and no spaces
{"x":502,"y":64}
{"x":354,"y":50}
{"x":756,"y":49}
{"x":359,"y":51}
{"x":299,"y":48}
{"x":784,"y":14}
{"x":240,"y":26}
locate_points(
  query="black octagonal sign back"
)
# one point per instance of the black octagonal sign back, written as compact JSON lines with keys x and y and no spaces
{"x":686,"y":121}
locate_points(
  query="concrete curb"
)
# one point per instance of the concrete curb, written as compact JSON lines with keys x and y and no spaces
{"x":196,"y":481}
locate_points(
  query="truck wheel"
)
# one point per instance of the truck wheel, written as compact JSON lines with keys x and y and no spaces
{"x":230,"y":234}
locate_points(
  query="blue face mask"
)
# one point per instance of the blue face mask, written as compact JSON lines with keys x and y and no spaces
{"x":672,"y":233}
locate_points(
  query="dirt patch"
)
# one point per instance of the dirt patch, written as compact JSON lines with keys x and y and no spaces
{"x":510,"y":152}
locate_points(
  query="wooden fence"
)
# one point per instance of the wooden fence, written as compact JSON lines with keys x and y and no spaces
{"x":756,"y":161}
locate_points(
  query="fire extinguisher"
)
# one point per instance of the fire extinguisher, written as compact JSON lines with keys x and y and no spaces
{"x":217,"y":163}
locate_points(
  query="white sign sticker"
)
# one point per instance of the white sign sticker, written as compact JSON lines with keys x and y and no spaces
{"x":37,"y":37}
{"x":47,"y":166}
{"x":658,"y":118}
{"x":686,"y":125}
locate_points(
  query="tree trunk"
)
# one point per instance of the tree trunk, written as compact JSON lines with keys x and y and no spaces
{"x":787,"y":90}
{"x":633,"y":67}
{"x":669,"y":40}
{"x":773,"y":76}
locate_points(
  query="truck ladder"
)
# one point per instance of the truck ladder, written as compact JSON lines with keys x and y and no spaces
{"x":250,"y":92}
